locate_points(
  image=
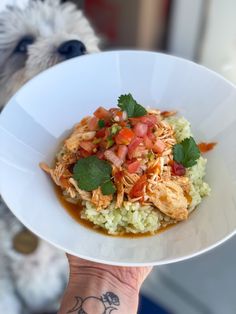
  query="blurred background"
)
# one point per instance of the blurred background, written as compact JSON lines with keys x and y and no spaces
{"x":203,"y":31}
{"x":200,"y":30}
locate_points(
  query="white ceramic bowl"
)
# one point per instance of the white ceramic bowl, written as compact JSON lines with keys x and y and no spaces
{"x":38,"y":116}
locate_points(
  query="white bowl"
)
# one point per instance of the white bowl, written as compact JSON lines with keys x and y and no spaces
{"x":38,"y":116}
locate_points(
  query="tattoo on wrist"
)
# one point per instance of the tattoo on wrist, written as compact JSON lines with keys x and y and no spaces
{"x":107,"y":303}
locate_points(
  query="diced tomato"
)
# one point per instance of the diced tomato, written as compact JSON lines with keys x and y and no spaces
{"x":100,"y":154}
{"x":129,"y":161}
{"x":119,"y":175}
{"x":113,"y":111}
{"x":119,"y":113}
{"x":93,"y":123}
{"x":151,"y":135}
{"x":140,"y":129}
{"x":108,"y":123}
{"x":150,"y":120}
{"x":106,"y":143}
{"x":159,"y":146}
{"x":102,"y":113}
{"x":101,"y":133}
{"x":102,"y":144}
{"x":122,"y":151}
{"x":122,"y":124}
{"x":133,"y":145}
{"x":111,"y":156}
{"x":205,"y":147}
{"x":147,"y":142}
{"x":134,"y":121}
{"x":138,"y":188}
{"x":178,"y":169}
{"x":87,"y":145}
{"x":133,"y":167}
{"x":140,"y":151}
{"x":124,"y":136}
{"x":83,"y":153}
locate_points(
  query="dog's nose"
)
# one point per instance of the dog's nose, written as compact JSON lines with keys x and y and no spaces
{"x":72,"y":48}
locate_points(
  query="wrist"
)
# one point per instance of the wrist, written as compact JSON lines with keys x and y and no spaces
{"x":95,"y":282}
{"x":103,"y":275}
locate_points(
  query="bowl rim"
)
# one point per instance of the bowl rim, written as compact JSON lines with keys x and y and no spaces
{"x":126,"y":264}
{"x":100,"y":260}
{"x":115,"y":52}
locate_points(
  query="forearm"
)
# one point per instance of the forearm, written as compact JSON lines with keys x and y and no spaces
{"x":94,"y":290}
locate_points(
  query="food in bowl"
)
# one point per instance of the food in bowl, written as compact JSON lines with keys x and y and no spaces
{"x":131,"y":170}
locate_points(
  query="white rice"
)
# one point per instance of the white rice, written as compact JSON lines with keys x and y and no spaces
{"x":181,"y":126}
{"x":130,"y":218}
{"x":198,"y":188}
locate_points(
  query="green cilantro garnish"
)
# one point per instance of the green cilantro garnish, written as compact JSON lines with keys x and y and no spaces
{"x":91,"y":172}
{"x":186,"y":152}
{"x":101,"y":123}
{"x":108,"y":188}
{"x":128,"y":104}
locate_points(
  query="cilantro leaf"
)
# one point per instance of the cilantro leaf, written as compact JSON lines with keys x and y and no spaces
{"x":186,"y":152}
{"x":101,"y":123}
{"x":91,"y":172}
{"x":178,"y":153}
{"x":128,"y":104}
{"x":108,"y":188}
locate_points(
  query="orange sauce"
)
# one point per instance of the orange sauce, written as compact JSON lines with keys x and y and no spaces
{"x":206,"y":147}
{"x":74,"y":211}
{"x":188,"y":197}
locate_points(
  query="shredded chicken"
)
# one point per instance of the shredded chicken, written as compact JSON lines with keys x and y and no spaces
{"x":156,"y":112}
{"x":183,"y":182}
{"x":66,"y":157}
{"x":128,"y":180}
{"x":72,"y":193}
{"x":166,"y":114}
{"x":99,"y":200}
{"x":72,"y":143}
{"x":59,"y":174}
{"x":84,"y":195}
{"x":120,"y":191}
{"x":169,"y":198}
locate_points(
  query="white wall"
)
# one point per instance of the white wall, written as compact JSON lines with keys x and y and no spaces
{"x":185,"y":27}
{"x":219,"y":43}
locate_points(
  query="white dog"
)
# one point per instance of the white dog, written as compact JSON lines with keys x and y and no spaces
{"x":32,"y":40}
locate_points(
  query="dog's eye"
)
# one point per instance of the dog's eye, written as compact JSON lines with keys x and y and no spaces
{"x":23,"y":44}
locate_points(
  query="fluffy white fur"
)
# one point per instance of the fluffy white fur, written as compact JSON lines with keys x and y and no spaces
{"x":32,"y":283}
{"x":51,"y":24}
